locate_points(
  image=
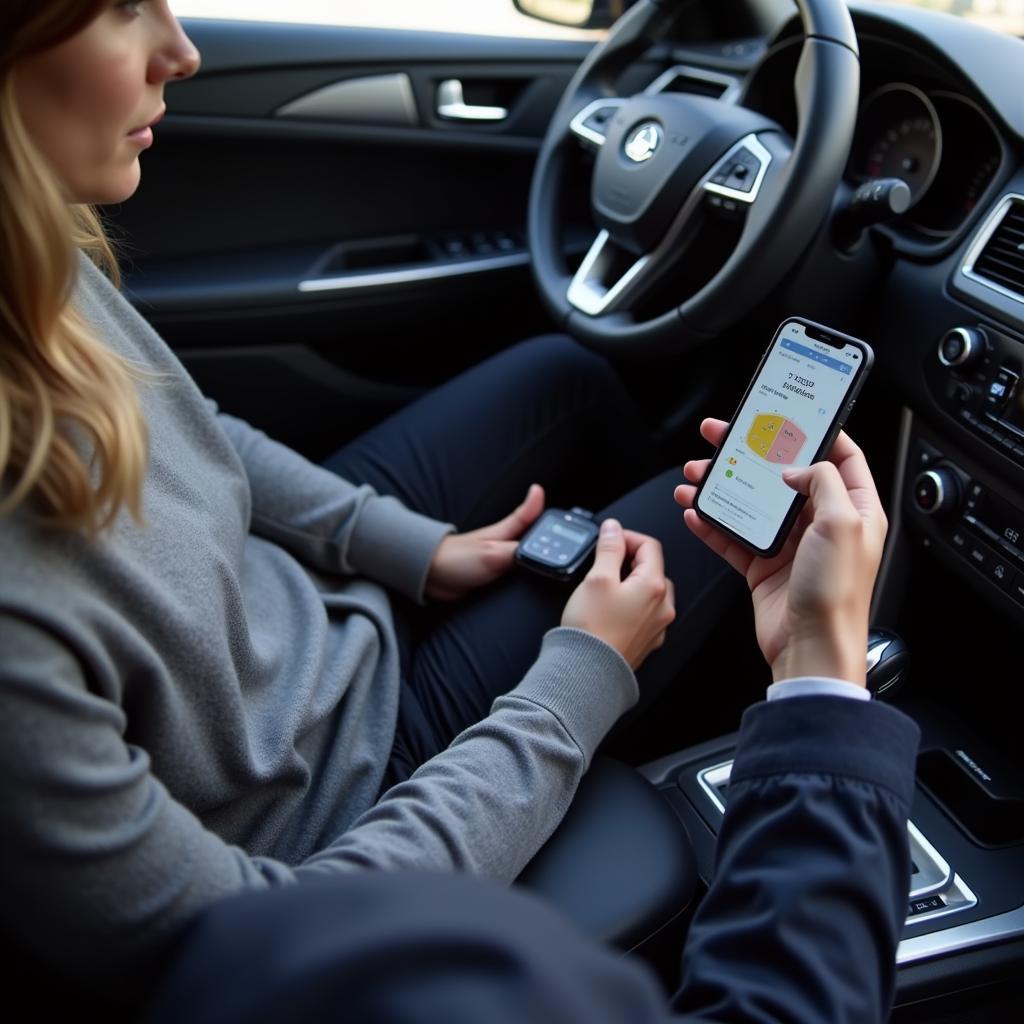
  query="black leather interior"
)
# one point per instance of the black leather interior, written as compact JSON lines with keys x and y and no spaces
{"x":620,"y":866}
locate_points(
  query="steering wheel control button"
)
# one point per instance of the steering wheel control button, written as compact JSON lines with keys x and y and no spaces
{"x":738,"y":175}
{"x":738,"y":171}
{"x":597,"y":122}
{"x":591,"y":124}
{"x":962,"y":348}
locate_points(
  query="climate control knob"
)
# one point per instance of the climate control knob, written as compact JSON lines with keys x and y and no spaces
{"x":962,"y":348}
{"x":937,"y":491}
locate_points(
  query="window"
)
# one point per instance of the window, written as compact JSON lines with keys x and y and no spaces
{"x":484,"y":17}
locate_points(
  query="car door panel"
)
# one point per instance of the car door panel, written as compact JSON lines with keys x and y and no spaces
{"x":388,"y":242}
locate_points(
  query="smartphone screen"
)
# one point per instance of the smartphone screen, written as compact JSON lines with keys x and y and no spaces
{"x":788,"y":417}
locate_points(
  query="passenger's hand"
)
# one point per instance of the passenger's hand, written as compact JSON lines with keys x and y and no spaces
{"x":812,"y":600}
{"x":630,"y":614}
{"x":465,"y":561}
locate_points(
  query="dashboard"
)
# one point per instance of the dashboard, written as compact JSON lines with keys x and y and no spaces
{"x":920,"y":120}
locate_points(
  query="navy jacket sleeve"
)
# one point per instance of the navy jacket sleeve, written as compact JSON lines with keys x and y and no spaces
{"x":804,"y":912}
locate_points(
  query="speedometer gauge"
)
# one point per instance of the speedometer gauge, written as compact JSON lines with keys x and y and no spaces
{"x":899,"y":136}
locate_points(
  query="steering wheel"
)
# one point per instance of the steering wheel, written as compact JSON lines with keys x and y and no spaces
{"x":672,"y":167}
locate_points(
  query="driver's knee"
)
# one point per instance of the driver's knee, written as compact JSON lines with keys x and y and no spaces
{"x":556,"y":363}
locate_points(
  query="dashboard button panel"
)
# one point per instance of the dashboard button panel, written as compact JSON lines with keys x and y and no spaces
{"x":981,"y":527}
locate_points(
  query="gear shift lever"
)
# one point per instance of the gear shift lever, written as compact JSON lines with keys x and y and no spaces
{"x":888,"y":662}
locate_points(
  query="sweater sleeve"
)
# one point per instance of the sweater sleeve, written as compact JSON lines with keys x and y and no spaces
{"x":328,"y":523}
{"x":809,"y":895}
{"x":102,"y":867}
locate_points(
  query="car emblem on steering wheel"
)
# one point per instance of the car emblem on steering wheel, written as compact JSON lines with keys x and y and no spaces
{"x":642,"y":143}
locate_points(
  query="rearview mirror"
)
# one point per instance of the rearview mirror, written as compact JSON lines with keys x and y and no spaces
{"x":578,"y":13}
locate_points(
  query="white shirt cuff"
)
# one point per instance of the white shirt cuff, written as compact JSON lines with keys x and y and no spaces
{"x":811,"y":686}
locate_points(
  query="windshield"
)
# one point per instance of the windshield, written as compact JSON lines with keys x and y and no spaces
{"x":1001,"y":15}
{"x":499,"y":17}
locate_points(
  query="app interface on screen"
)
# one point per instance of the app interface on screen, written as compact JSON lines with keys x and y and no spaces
{"x":555,"y":541}
{"x":801,"y":386}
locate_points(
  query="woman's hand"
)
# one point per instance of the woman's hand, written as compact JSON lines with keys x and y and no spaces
{"x":465,"y":561}
{"x":630,"y":614}
{"x":812,"y":600}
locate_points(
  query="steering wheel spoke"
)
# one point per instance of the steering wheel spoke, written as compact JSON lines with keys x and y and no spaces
{"x":590,"y":125}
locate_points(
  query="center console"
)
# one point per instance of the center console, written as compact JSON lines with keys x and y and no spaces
{"x":967,"y":854}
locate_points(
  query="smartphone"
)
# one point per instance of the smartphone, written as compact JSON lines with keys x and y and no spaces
{"x":792,"y":411}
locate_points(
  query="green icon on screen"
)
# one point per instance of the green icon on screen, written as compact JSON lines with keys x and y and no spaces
{"x":728,"y":472}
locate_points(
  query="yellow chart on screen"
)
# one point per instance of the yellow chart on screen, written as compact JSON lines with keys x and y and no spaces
{"x":775,"y":438}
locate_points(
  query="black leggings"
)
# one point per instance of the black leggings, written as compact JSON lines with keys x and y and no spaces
{"x":545,"y":411}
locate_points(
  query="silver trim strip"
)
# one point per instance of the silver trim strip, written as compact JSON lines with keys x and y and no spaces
{"x":933,"y":875}
{"x":452,"y":106}
{"x":579,"y":128}
{"x":731,"y":85}
{"x":373,"y":99}
{"x":963,"y":936}
{"x":711,"y":778}
{"x":981,"y":239}
{"x":389,"y":278}
{"x":586,"y":292}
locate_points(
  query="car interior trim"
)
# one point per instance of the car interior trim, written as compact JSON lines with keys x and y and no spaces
{"x":981,"y":239}
{"x":579,"y":127}
{"x":452,"y":106}
{"x":411,"y":275}
{"x":731,"y":86}
{"x":586,"y":290}
{"x":377,"y":99}
{"x":1000,"y":928}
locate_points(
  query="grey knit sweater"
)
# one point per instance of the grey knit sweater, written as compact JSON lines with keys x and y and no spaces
{"x":206,"y":703}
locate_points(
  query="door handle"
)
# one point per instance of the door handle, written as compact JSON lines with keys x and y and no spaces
{"x":452,"y":106}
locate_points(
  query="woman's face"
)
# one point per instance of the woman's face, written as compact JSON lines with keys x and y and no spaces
{"x":90,"y":103}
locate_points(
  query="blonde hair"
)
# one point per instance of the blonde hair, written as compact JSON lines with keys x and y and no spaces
{"x":73,"y":441}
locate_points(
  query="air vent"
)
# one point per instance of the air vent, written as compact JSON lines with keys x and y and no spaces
{"x":698,"y":81}
{"x":997,"y":257}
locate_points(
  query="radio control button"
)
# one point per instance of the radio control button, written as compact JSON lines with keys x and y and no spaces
{"x":925,"y":454}
{"x":1002,"y":572}
{"x":978,"y":555}
{"x":936,"y":490}
{"x":1001,"y":388}
{"x":962,"y":348}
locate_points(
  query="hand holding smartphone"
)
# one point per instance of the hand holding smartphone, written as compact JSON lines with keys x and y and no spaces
{"x":789,"y":417}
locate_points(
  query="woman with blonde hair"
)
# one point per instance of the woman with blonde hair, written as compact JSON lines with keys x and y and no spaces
{"x":213,"y":674}
{"x":214,"y":678}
